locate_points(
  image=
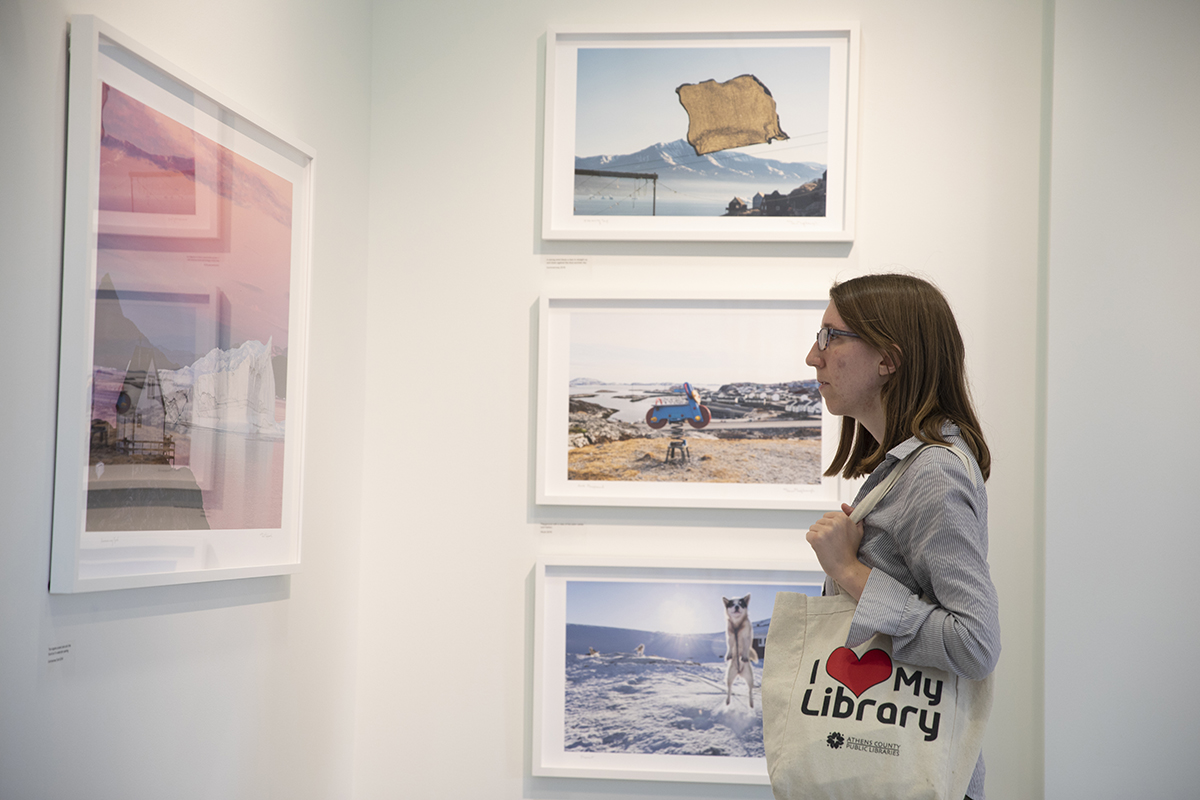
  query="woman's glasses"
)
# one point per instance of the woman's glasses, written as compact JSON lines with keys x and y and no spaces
{"x":826,"y":335}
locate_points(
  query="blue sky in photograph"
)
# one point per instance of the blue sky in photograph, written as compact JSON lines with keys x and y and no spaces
{"x":703,"y":347}
{"x":667,"y":607}
{"x":626,"y":101}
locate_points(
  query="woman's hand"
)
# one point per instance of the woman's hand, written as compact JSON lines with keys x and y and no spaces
{"x":835,"y":540}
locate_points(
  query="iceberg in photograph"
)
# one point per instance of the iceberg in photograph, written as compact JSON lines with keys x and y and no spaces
{"x":228,"y":390}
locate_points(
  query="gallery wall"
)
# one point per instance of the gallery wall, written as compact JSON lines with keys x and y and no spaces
{"x":1122,"y":710}
{"x":239,"y":689}
{"x":398,"y":663}
{"x":949,"y":187}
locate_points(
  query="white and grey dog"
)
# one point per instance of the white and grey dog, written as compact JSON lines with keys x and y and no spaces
{"x":739,"y":645}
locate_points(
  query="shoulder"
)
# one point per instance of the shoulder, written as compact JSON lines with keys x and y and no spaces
{"x":952,"y":461}
{"x":938,"y":459}
{"x":940,"y":480}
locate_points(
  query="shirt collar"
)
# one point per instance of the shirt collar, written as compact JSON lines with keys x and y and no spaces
{"x":908,"y":445}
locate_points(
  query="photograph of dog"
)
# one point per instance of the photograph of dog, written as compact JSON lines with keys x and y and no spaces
{"x":651,"y":667}
{"x":739,"y":646}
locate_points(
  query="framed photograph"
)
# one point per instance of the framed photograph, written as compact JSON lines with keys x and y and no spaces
{"x":184,"y":320}
{"x":701,"y":135}
{"x":653,"y":671}
{"x":683,"y":401}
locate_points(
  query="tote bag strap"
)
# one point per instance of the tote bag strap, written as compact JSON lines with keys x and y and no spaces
{"x":875,"y":495}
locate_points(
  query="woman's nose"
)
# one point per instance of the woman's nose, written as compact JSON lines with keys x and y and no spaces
{"x":814,"y":358}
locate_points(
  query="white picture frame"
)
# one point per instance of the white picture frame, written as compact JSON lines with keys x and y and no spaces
{"x":664,"y":715}
{"x":180,"y":433}
{"x":611,"y":106}
{"x":770,"y":437}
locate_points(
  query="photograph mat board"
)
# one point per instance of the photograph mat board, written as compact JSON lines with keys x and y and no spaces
{"x":553,"y":588}
{"x":172,"y":233}
{"x":561,"y":220}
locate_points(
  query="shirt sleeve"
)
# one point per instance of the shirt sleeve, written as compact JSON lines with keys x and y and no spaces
{"x":941,"y":532}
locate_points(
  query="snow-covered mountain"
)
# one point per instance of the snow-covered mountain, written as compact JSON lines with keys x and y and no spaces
{"x":676,"y":161}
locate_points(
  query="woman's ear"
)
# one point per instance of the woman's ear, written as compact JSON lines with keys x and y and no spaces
{"x":887,"y":366}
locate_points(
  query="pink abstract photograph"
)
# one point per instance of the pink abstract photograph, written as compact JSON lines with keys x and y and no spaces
{"x":189,"y":366}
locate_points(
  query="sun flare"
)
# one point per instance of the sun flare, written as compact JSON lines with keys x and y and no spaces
{"x":678,"y":616}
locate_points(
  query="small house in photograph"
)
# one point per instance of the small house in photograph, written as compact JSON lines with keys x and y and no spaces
{"x":736,"y":206}
{"x":808,"y":408}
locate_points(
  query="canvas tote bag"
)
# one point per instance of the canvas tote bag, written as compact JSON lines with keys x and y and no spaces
{"x":855,"y":724}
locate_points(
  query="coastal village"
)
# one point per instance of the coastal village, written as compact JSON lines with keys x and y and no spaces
{"x":804,"y":201}
{"x":741,"y":412}
{"x":799,"y":399}
{"x":757,"y":434}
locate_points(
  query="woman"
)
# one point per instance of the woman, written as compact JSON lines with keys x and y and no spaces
{"x":890,"y":362}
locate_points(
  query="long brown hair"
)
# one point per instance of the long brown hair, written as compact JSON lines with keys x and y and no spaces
{"x":907,"y":319}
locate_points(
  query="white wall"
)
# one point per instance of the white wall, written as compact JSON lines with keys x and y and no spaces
{"x":325,"y":685}
{"x":1122,"y":707}
{"x":949,"y":165}
{"x":240,"y":689}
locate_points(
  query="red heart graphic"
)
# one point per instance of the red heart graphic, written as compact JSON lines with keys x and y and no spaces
{"x":859,"y":674}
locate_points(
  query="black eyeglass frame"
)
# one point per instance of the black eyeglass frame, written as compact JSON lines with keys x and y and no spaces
{"x":827,"y":335}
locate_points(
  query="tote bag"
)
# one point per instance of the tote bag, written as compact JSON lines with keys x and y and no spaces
{"x":854,"y":723}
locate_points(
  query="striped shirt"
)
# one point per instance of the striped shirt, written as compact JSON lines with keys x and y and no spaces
{"x":930,"y":588}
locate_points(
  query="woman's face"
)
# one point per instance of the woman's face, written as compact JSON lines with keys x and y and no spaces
{"x":851,"y":374}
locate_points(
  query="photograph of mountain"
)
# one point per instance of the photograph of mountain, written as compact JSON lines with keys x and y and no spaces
{"x":630,"y":124}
